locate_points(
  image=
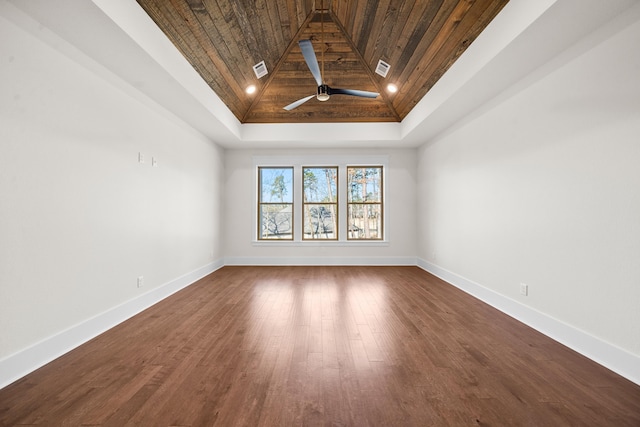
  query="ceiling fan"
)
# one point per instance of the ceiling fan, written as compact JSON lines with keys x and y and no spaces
{"x":324,"y":92}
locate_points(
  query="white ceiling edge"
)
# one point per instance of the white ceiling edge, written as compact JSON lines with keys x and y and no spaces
{"x":513,"y":20}
{"x":557,"y":35}
{"x":135,"y":22}
{"x":82,"y":31}
{"x":321,"y":135}
{"x":120,"y":36}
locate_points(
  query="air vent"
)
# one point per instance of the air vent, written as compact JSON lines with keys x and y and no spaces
{"x":382,"y":68}
{"x":260,"y":69}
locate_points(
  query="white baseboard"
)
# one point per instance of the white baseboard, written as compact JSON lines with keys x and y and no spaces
{"x":320,"y":261}
{"x":20,"y":364}
{"x":28,"y":360}
{"x":606,"y":354}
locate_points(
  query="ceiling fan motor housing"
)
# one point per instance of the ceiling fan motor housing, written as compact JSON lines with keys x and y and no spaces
{"x":324,"y":92}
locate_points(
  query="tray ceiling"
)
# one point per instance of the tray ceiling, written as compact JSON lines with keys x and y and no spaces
{"x":224,"y":39}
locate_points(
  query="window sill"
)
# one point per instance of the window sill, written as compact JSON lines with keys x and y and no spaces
{"x":316,"y":243}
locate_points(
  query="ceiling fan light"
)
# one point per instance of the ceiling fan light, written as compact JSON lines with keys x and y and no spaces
{"x":323,"y":93}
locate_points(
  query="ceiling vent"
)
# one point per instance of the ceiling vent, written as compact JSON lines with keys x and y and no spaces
{"x":260,"y":69}
{"x":382,"y":68}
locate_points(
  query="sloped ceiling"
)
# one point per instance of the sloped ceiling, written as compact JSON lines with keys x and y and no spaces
{"x":224,"y":39}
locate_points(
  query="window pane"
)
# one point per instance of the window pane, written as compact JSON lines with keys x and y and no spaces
{"x":320,"y":185}
{"x":365,"y":184}
{"x":320,"y":221}
{"x":320,"y":203}
{"x":275,"y":207}
{"x":365,"y":221}
{"x":276,"y":221}
{"x":364,"y":198}
{"x":276,"y":185}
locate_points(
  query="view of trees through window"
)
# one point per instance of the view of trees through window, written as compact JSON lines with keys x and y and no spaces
{"x":364,"y":203}
{"x":275,"y":204}
{"x":320,"y":203}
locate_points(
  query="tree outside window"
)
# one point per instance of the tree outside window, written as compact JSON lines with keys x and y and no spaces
{"x":320,"y":203}
{"x":364,"y":203}
{"x":275,"y":203}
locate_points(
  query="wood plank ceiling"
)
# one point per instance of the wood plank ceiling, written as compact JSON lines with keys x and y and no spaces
{"x":224,"y":39}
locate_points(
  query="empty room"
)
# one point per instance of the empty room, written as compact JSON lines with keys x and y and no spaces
{"x":320,"y":212}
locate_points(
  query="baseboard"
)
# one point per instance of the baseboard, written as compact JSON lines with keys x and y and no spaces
{"x":320,"y":261}
{"x":606,"y":354}
{"x":22,"y":363}
{"x":28,"y":360}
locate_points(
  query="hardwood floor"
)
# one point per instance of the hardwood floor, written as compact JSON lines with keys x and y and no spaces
{"x":338,"y":346}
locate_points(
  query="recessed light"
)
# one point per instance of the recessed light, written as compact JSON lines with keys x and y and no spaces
{"x":392,"y":88}
{"x":251,"y":89}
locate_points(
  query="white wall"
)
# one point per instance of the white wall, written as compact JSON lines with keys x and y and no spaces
{"x":542,"y":187}
{"x":240,"y":208}
{"x":80,"y":218}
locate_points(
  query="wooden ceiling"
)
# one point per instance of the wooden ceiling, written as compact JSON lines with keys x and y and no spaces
{"x":224,"y":39}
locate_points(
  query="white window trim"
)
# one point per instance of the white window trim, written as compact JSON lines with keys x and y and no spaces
{"x":341,"y":161}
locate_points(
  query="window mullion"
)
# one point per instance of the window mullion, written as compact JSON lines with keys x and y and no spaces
{"x":297,"y":203}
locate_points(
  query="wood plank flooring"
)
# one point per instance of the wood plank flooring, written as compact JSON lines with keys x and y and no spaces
{"x":332,"y":346}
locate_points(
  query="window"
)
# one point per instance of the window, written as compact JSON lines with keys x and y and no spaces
{"x":320,"y":203}
{"x":320,"y":200}
{"x":364,"y":203}
{"x":275,"y":203}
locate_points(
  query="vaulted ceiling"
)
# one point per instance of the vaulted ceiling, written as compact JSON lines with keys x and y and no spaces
{"x":224,"y":39}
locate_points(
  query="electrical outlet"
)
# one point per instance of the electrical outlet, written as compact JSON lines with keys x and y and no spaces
{"x":524,"y":289}
{"x":140,"y":158}
{"x":154,"y":162}
{"x":140,"y":281}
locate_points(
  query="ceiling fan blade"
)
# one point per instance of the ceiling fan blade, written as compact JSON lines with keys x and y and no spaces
{"x":310,"y":58}
{"x":298,"y":103}
{"x":362,"y":93}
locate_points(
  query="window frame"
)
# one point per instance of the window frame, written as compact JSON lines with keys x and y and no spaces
{"x":261,"y":203}
{"x":365,"y":203}
{"x":336,"y":203}
{"x":314,"y":159}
